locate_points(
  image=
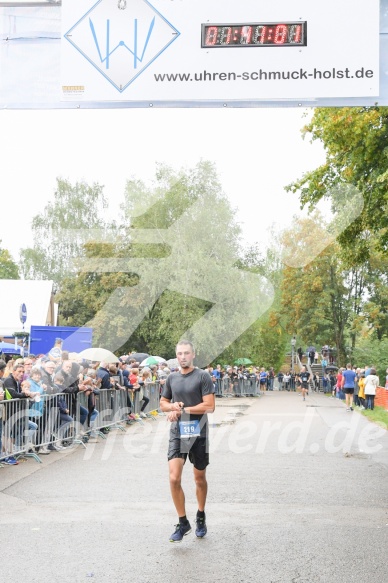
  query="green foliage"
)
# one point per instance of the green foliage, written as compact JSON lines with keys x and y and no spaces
{"x":320,"y":301}
{"x":265,"y":342}
{"x":356,"y":144}
{"x":371,"y":351}
{"x":60,"y":231}
{"x":8,"y":268}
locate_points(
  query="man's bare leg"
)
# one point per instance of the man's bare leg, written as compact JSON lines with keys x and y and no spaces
{"x":178,"y":496}
{"x":201,"y":488}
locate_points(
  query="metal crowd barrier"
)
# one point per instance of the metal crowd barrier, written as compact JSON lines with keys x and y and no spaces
{"x":55,"y":420}
{"x":227,"y":387}
{"x":28,"y":425}
{"x":152,"y":391}
{"x":113,"y":407}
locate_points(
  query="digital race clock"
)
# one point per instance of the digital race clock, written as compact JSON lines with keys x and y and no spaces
{"x":259,"y":34}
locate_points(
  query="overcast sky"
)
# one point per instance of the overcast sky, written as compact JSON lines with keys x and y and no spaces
{"x":256,"y":151}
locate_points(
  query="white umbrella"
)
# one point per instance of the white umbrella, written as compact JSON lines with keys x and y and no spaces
{"x":98,"y":355}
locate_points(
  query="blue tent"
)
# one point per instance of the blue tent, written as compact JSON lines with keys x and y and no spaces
{"x":7,"y":348}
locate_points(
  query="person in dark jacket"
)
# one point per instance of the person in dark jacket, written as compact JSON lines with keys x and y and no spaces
{"x":48,"y":369}
{"x":13,"y":384}
{"x":103,"y":374}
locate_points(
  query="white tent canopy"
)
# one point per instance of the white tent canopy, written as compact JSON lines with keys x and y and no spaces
{"x":37,"y":297}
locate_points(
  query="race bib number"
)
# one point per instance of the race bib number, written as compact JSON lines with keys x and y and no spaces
{"x":189,"y":429}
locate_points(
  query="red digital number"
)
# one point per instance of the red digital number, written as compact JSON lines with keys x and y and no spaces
{"x":211,"y":36}
{"x":280,"y":34}
{"x":298,"y":33}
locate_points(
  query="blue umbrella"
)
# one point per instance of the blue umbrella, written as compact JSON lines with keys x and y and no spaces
{"x":8,"y":348}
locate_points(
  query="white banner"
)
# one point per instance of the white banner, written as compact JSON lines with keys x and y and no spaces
{"x":193,"y":50}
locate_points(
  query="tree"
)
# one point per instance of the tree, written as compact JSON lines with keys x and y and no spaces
{"x":83,"y":295}
{"x":372,"y":352}
{"x":73,"y":217}
{"x":376,"y":303}
{"x":8,"y":268}
{"x":182,"y":243}
{"x":356,"y":144}
{"x":265,"y":342}
{"x":321,"y":299}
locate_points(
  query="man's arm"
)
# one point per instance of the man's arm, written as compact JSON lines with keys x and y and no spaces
{"x":167,"y":406}
{"x":207,"y":406}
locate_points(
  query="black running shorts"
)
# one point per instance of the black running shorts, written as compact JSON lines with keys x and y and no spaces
{"x":196,"y":448}
{"x":349,"y":391}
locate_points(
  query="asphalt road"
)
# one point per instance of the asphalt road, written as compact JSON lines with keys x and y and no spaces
{"x":298,"y":493}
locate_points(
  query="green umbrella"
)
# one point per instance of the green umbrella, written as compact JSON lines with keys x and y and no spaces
{"x":243,"y":361}
{"x":150,"y":361}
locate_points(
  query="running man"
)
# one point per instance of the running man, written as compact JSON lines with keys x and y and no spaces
{"x":304,"y":376}
{"x":187,"y":397}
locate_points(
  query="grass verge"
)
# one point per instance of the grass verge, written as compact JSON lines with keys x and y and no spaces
{"x":379,"y":415}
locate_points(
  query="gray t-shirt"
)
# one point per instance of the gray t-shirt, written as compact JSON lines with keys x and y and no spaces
{"x":189,"y":389}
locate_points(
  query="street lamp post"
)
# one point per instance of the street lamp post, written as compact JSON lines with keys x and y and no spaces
{"x":293,"y":344}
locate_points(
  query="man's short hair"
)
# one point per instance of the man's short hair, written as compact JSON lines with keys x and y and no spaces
{"x":3,"y":364}
{"x":188,"y":342}
{"x":17,"y":366}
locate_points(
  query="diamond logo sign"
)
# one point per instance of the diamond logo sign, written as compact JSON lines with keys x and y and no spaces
{"x":122,"y":38}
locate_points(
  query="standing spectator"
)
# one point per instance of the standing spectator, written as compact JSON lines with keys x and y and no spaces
{"x":103,"y":374}
{"x":386,"y":379}
{"x":356,"y":399}
{"x":324,"y":365}
{"x":339,"y":384}
{"x":263,"y":379}
{"x":233,"y":378}
{"x":37,"y":406}
{"x":361,"y":389}
{"x":300,"y":353}
{"x":8,"y":368}
{"x":90,"y":387}
{"x":55,"y":354}
{"x":286,"y":381}
{"x":333,"y":382}
{"x":48,"y":368}
{"x":27,"y":368}
{"x":280,"y":380}
{"x":271,"y":378}
{"x":146,"y":379}
{"x":316,"y":356}
{"x":371,"y":383}
{"x":14,"y":383}
{"x":2,"y":369}
{"x":325,"y":381}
